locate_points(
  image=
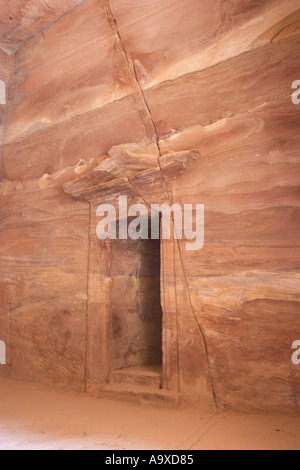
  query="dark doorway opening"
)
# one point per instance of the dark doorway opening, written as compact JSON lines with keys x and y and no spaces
{"x":136,"y":312}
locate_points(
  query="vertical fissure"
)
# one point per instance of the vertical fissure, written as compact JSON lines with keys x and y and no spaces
{"x":113,"y":24}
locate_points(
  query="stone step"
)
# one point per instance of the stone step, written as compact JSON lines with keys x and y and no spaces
{"x":140,"y":394}
{"x":149,"y":376}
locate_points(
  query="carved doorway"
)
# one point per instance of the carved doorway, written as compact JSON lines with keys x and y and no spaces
{"x":136,"y":312}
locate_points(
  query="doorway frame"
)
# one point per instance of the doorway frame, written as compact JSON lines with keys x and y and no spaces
{"x":98,"y":367}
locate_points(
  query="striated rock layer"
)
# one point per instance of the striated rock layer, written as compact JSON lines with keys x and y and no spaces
{"x":164,"y":102}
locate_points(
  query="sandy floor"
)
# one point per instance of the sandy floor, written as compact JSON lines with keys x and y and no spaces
{"x":35,"y":417}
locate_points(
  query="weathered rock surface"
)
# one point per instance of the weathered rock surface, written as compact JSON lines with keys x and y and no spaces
{"x":179,"y":102}
{"x":21,"y":20}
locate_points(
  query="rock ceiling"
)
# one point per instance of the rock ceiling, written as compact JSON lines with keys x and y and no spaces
{"x":22,"y":19}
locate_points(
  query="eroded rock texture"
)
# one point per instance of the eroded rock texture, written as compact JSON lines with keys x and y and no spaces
{"x":175,"y":102}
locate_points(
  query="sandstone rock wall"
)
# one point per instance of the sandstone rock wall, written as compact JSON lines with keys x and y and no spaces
{"x":203,"y":95}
